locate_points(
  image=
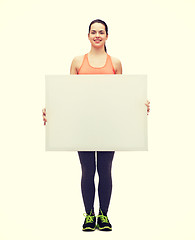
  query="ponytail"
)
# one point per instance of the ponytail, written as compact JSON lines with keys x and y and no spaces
{"x":105,"y":48}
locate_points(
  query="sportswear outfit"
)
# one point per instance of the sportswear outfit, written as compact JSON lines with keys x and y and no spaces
{"x":104,"y":161}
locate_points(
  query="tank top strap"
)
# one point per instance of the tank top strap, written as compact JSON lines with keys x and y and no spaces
{"x":110,"y":63}
{"x":85,"y":60}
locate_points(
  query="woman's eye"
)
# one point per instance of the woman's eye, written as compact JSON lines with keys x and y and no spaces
{"x":94,"y":32}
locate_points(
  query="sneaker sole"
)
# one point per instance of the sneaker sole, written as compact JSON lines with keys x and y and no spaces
{"x":88,"y":229}
{"x":106,"y":228}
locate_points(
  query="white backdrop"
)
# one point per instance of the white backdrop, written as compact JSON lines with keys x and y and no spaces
{"x":153,"y":192}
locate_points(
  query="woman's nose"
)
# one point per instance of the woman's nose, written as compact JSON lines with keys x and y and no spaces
{"x":97,"y":34}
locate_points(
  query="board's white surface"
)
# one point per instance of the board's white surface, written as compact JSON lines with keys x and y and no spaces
{"x":96,"y":112}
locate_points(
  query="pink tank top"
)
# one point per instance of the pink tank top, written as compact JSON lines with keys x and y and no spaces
{"x":86,"y":68}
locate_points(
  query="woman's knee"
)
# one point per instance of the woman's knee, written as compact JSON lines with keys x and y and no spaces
{"x":87,"y":160}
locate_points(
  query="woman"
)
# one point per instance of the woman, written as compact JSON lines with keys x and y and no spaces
{"x":97,"y":61}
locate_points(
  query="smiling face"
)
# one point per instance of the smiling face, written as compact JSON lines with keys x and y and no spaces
{"x":97,"y":35}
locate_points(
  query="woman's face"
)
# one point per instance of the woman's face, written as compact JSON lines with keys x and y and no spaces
{"x":97,"y":35}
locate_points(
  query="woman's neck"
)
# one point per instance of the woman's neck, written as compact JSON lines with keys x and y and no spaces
{"x":97,"y":51}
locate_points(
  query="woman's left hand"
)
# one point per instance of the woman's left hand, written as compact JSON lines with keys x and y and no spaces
{"x":148,"y":106}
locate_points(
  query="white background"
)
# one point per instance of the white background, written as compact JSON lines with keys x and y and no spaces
{"x":153,"y":192}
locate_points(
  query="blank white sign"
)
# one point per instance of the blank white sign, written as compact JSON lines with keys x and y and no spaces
{"x":96,"y":112}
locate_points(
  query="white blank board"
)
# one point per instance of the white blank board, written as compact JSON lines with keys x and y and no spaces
{"x":96,"y":112}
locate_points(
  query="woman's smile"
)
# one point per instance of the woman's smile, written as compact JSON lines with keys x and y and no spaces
{"x":97,"y":40}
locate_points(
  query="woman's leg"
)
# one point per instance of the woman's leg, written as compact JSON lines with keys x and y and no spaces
{"x":87,"y":160}
{"x":104,"y":166}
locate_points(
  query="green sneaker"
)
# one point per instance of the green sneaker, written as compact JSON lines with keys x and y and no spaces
{"x":103,"y":223}
{"x":90,"y":222}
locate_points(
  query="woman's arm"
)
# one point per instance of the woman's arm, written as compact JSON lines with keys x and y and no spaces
{"x":73,"y":67}
{"x":117,"y":65}
{"x":118,"y":69}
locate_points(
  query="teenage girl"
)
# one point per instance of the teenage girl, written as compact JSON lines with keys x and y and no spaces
{"x":97,"y":61}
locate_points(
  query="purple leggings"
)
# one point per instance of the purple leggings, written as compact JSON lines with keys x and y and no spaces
{"x":88,"y":165}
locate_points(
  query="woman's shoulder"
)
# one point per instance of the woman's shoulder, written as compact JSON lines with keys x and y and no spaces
{"x":78,"y":59}
{"x":76,"y":63}
{"x":115,"y":60}
{"x":117,"y":64}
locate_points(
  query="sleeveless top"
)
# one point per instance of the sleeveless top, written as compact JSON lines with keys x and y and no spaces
{"x":86,"y":68}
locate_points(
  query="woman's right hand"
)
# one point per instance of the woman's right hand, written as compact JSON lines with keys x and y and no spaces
{"x":44,"y":116}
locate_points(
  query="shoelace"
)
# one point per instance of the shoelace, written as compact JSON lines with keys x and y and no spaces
{"x":103,"y":218}
{"x":89,"y":219}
